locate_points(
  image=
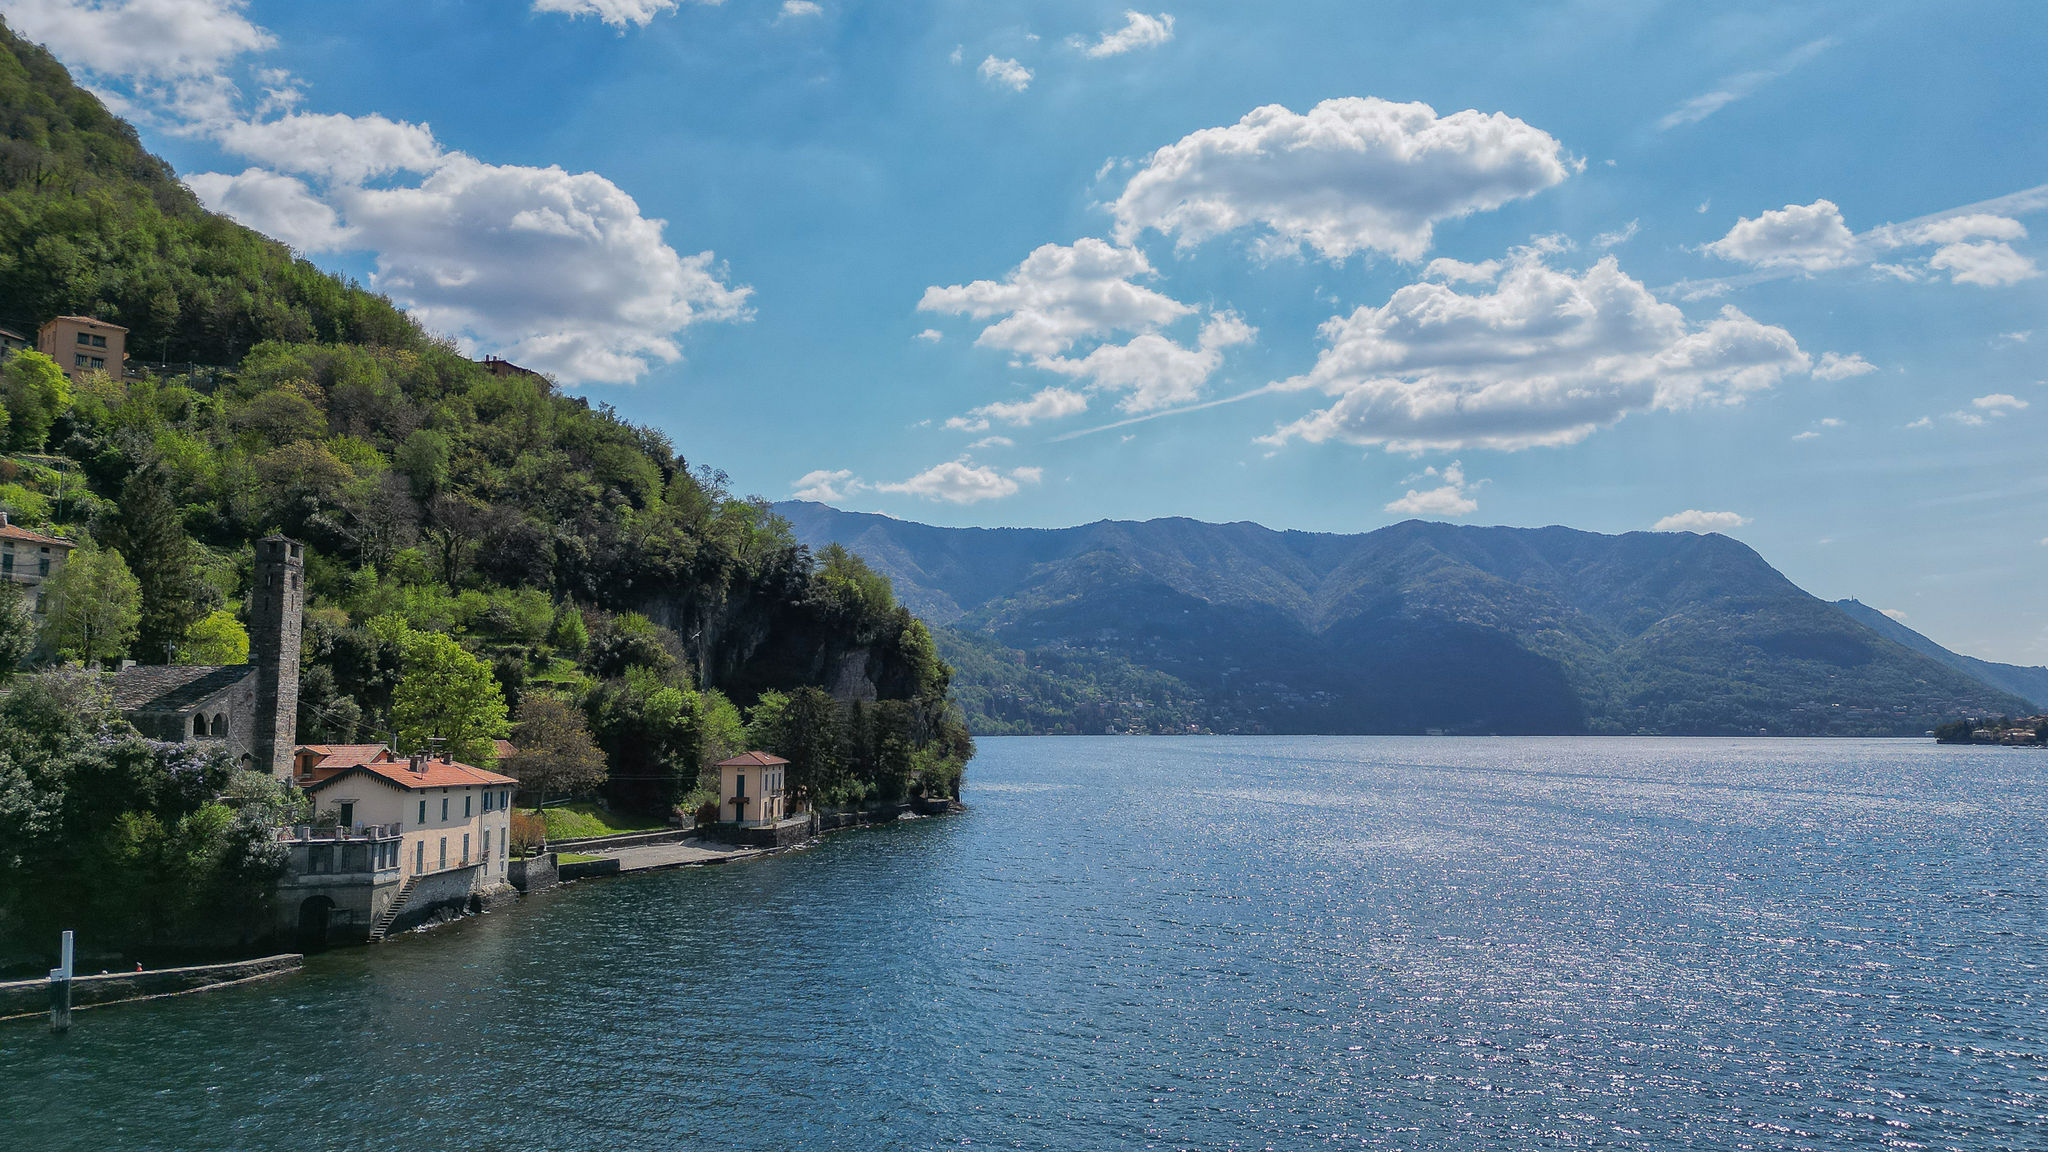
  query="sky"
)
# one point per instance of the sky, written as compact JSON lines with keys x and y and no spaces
{"x":1769,"y":269}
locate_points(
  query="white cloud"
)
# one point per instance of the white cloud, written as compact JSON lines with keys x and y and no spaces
{"x":1453,"y":497}
{"x":1740,"y":86}
{"x":1970,"y":419}
{"x":1058,"y":295}
{"x":1809,"y":237}
{"x":1619,"y":236}
{"x":275,"y":205}
{"x":1806,"y":436}
{"x":1005,"y":73}
{"x":1988,"y":263}
{"x":798,"y":9}
{"x":1694,"y":520}
{"x":1048,"y":404}
{"x":1894,"y":613}
{"x":1351,"y":175}
{"x":1999,"y":402}
{"x":992,"y":442}
{"x":1544,"y":358}
{"x":141,"y":39}
{"x":1835,"y":366}
{"x":1153,"y":371}
{"x":827,"y":487}
{"x":335,"y":147}
{"x":963,"y":481}
{"x":557,"y":270}
{"x":1139,"y":31}
{"x":2007,"y":339}
{"x":1832,"y":422}
{"x":1968,"y":226}
{"x":931,"y":335}
{"x":1923,"y":422}
{"x":617,"y":13}
{"x":1456,"y":271}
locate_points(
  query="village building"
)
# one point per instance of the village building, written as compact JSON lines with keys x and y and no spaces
{"x":11,"y":342}
{"x":750,"y":788}
{"x":31,"y":560}
{"x":251,"y":709}
{"x":396,"y":842}
{"x":498,"y":367}
{"x":81,"y":344}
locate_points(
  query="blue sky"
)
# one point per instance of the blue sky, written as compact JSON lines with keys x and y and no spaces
{"x":1772,"y":269}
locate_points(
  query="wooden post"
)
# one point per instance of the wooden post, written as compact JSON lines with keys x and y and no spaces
{"x":60,"y":989}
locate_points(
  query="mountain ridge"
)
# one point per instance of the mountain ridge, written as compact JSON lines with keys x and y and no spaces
{"x":1418,"y":626}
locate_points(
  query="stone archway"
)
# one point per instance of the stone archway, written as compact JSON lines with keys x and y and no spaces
{"x":314,"y":914}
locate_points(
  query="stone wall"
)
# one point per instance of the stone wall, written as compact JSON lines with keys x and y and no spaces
{"x":442,"y":895}
{"x":32,"y":997}
{"x":533,"y":875}
{"x":585,"y":869}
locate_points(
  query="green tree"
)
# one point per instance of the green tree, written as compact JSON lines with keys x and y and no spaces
{"x":215,"y":639}
{"x":17,"y":629}
{"x":444,"y":693}
{"x":35,"y":392}
{"x":557,"y":756}
{"x":151,"y":537}
{"x":95,"y":606}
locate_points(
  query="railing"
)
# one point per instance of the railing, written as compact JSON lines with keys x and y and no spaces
{"x":312,"y":832}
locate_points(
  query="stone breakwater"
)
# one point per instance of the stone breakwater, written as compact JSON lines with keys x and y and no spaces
{"x":22,"y":999}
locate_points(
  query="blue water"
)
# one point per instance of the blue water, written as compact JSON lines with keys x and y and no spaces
{"x":1192,"y":943}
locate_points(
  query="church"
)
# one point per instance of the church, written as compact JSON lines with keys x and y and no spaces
{"x":250,"y":709}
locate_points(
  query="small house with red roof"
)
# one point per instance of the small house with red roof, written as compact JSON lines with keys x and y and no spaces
{"x":31,"y":560}
{"x":752,"y":791}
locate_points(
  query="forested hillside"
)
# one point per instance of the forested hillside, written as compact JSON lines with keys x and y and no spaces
{"x":1412,"y":628}
{"x":566,"y":552}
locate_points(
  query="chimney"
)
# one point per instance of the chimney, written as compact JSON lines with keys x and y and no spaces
{"x":419,"y":763}
{"x":276,"y":610}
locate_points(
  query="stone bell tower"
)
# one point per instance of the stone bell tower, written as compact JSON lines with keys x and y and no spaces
{"x":277,"y":608}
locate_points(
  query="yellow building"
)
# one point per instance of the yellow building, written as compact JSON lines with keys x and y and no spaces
{"x":450,"y":816}
{"x":750,"y":789}
{"x":81,"y":344}
{"x":31,"y":560}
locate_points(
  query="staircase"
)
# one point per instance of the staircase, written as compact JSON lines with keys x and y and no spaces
{"x":383,"y":924}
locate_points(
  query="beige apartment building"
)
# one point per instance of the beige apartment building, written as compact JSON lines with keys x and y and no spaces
{"x":81,"y":344}
{"x":750,"y":789}
{"x":451,"y":816}
{"x":31,"y":560}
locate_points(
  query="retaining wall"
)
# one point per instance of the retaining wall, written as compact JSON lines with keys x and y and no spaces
{"x":19,"y":998}
{"x":536,"y":874}
{"x":585,"y":869}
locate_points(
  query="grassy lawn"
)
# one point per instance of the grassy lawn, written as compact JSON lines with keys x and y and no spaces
{"x":575,"y":858}
{"x":582,"y":818}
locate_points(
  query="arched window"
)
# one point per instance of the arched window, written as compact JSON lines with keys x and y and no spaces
{"x":199,"y":725}
{"x":220,"y":724}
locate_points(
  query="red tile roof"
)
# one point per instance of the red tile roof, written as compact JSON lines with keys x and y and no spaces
{"x":433,"y":774}
{"x":752,"y":760}
{"x":10,"y":532}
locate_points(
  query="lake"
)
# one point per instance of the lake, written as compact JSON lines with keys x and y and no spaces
{"x":1192,"y":943}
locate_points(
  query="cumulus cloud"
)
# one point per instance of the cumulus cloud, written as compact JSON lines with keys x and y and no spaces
{"x":1972,"y":247}
{"x":1999,"y":402}
{"x":1694,"y":520}
{"x":1835,"y":366}
{"x":1001,"y":72}
{"x":931,"y":335}
{"x":335,"y":147}
{"x":1351,"y":175}
{"x":275,"y":205}
{"x":1058,"y":295}
{"x":827,"y":487}
{"x":1139,"y":31}
{"x":1455,"y":271}
{"x":1048,"y":404}
{"x":1452,"y":497}
{"x":1810,"y":237}
{"x":154,"y":39}
{"x":558,"y":270}
{"x":963,"y":481}
{"x":617,"y":13}
{"x":1544,"y":358}
{"x":1151,"y":370}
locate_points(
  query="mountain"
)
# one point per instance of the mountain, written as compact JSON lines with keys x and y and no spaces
{"x":1412,"y":628}
{"x":2031,"y":684}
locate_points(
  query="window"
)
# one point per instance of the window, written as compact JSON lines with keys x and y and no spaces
{"x":42,"y":565}
{"x":419,"y":857}
{"x":80,"y":360}
{"x":444,"y":851}
{"x":348,"y":814}
{"x":84,"y":341}
{"x":423,"y":812}
{"x":444,"y":807}
{"x":487,"y":844}
{"x":99,"y":341}
{"x":465,"y":805}
{"x":99,"y":362}
{"x":220,"y":723}
{"x":465,"y":847}
{"x":199,"y":725}
{"x":6,"y":563}
{"x":740,"y":787}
